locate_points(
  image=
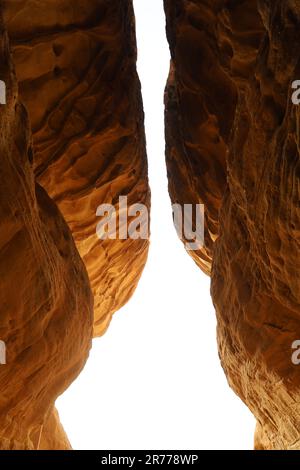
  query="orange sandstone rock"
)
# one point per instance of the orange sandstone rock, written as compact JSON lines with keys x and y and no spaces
{"x":76,"y":68}
{"x":76,"y":71}
{"x":46,"y":308}
{"x":233,"y":143}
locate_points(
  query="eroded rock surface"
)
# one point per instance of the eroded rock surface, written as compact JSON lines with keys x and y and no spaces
{"x":76,"y":67}
{"x":233,"y":143}
{"x":76,"y":75}
{"x":46,"y":313}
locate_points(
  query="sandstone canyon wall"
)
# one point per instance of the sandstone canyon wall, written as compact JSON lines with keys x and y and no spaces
{"x":233,"y":144}
{"x":72,"y":138}
{"x":46,"y":302}
{"x":76,"y":68}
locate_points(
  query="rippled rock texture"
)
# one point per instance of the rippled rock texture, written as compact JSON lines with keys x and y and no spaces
{"x":233,"y":143}
{"x":46,"y":303}
{"x":76,"y":67}
{"x":71,"y":138}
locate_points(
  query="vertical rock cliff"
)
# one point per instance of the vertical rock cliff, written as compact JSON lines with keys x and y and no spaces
{"x":72,"y":138}
{"x":76,"y":67}
{"x":233,"y":143}
{"x":46,"y":304}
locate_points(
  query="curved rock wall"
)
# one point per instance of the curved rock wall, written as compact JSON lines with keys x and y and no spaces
{"x":46,"y":315}
{"x":233,"y":143}
{"x":76,"y":75}
{"x":76,"y":67}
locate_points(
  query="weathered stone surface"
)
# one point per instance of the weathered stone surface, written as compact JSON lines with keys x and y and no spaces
{"x":233,"y":143}
{"x":46,"y":312}
{"x":76,"y":74}
{"x":200,"y":102}
{"x":76,"y":66}
{"x":51,"y":434}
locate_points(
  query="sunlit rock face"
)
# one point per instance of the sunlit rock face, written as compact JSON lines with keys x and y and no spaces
{"x":46,"y":312}
{"x":71,"y":138}
{"x":76,"y":67}
{"x":233,"y":143}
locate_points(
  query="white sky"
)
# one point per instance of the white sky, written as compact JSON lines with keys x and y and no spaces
{"x":154,"y":380}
